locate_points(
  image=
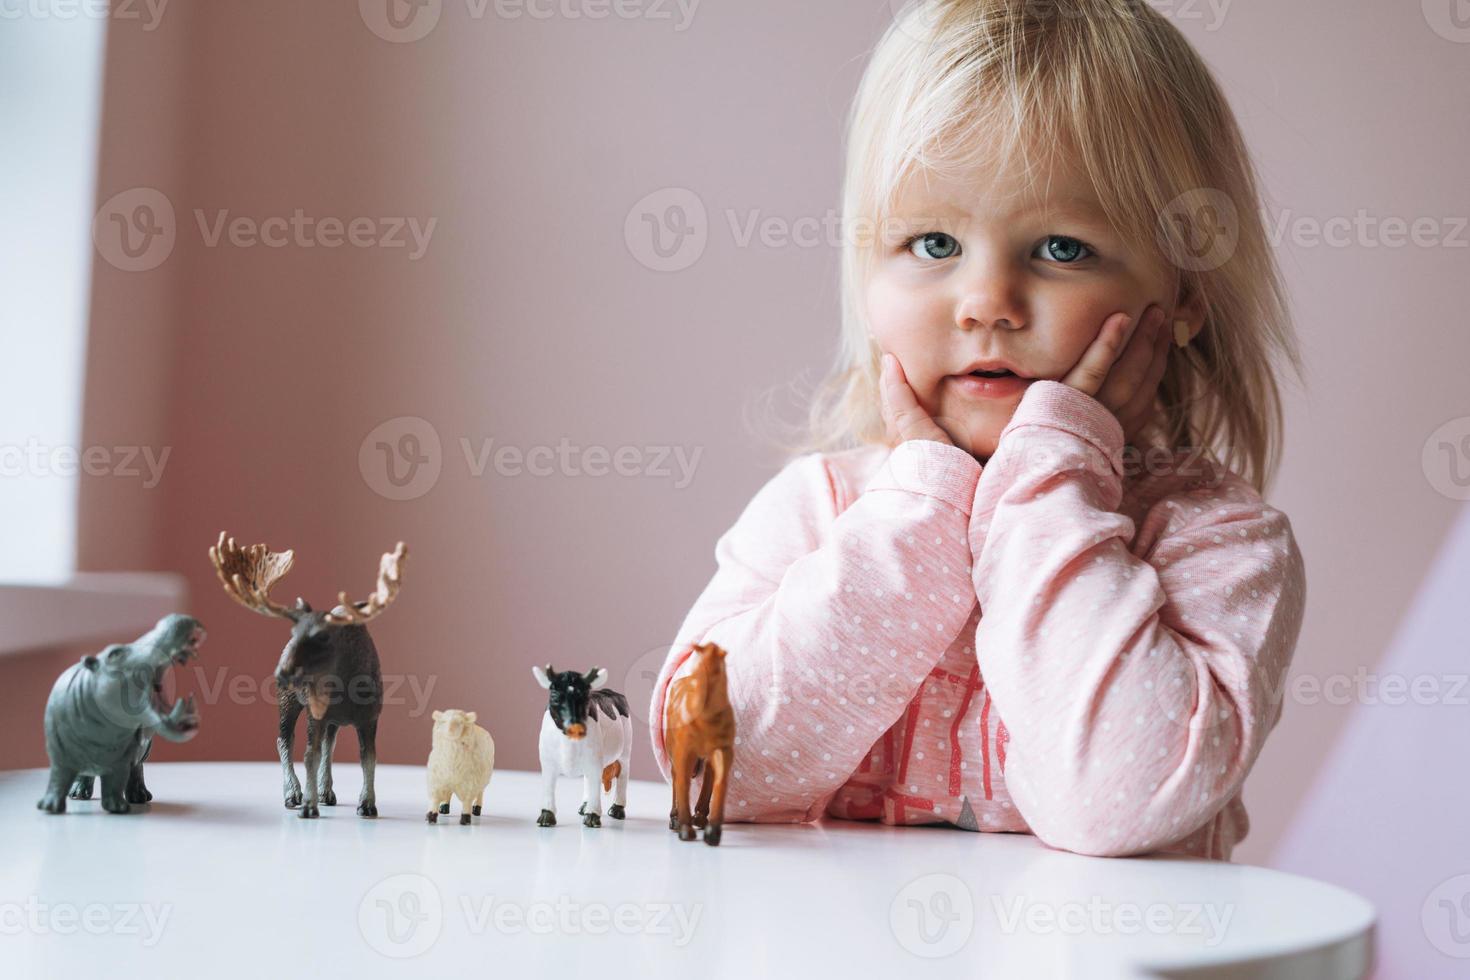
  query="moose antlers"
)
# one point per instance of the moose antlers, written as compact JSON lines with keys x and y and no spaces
{"x":389,"y":578}
{"x":248,"y":575}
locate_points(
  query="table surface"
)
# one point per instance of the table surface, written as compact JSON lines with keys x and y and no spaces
{"x":217,"y":878}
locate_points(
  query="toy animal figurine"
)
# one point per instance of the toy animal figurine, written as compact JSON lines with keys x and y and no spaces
{"x":104,"y":711}
{"x":329,"y":666}
{"x":460,"y":764}
{"x":585,"y":732}
{"x":699,"y":735}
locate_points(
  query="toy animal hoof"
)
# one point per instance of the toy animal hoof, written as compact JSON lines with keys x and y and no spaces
{"x":700,"y":820}
{"x":464,"y":819}
{"x":591,"y":820}
{"x":712,"y":835}
{"x":52,"y":804}
{"x":138,"y":794}
{"x":293,"y":799}
{"x":309,"y":811}
{"x":475,"y":811}
{"x":432,"y":816}
{"x":81,"y":789}
{"x":328,"y":798}
{"x":582,"y":810}
{"x":367,"y":809}
{"x":686,"y":832}
{"x":443,"y":807}
{"x":547,"y":819}
{"x":616,"y":812}
{"x":673,"y":821}
{"x":116,"y":806}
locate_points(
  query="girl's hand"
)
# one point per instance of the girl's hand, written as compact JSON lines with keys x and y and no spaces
{"x":903,"y":416}
{"x":1123,"y":368}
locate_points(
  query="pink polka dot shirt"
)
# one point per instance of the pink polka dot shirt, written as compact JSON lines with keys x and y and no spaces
{"x":1071,"y":641}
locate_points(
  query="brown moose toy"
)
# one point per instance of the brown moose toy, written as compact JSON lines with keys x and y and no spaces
{"x":699,"y":735}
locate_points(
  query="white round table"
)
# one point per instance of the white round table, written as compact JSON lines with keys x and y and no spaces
{"x":217,"y":879}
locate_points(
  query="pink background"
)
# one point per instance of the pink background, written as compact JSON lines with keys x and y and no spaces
{"x":531,"y":320}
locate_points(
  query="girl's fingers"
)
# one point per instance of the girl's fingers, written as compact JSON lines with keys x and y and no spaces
{"x":1131,"y":370}
{"x":1097,"y":361}
{"x":1143,"y":398}
{"x":908,"y":417}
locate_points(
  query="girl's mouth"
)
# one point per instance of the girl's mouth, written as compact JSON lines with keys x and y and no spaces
{"x":990,"y":384}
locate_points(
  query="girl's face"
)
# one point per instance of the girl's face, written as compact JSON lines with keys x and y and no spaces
{"x":977,"y":268}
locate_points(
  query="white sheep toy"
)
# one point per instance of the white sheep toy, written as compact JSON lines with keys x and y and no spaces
{"x":460,"y":764}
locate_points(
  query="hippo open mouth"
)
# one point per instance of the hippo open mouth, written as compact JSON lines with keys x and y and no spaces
{"x":182,"y":714}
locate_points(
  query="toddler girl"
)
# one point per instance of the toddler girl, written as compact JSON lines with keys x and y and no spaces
{"x":1021,"y":577}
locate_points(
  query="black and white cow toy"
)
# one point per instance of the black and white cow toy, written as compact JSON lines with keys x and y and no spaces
{"x":585,"y":732}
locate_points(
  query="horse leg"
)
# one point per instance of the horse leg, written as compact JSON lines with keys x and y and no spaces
{"x":717,"y":771}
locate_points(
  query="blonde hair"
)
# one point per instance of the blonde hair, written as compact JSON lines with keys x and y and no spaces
{"x":1118,"y":84}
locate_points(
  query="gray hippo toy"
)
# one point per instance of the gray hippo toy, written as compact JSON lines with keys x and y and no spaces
{"x":104,"y":711}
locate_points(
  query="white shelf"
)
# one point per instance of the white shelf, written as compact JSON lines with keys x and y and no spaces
{"x":103,"y":607}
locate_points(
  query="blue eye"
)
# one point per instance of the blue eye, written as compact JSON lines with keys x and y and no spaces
{"x":933,"y":245}
{"x":1065,"y":250}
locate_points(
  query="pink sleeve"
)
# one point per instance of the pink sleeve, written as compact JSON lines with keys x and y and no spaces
{"x":1137,"y":691}
{"x":830,"y":621}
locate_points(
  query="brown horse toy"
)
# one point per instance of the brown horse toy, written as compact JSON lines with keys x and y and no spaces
{"x":699,"y":735}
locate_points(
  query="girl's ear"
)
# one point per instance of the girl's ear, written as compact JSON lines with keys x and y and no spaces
{"x":1189,"y":315}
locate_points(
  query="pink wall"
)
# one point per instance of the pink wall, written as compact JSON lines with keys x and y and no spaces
{"x":529,"y":320}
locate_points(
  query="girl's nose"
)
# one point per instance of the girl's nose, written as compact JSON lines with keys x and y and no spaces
{"x":990,"y":297}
